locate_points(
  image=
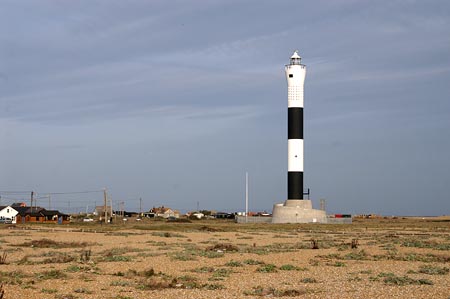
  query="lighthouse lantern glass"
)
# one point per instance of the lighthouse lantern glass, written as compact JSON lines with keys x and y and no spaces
{"x":295,"y":61}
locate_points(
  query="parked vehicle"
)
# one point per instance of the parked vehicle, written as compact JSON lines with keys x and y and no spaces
{"x":6,"y":220}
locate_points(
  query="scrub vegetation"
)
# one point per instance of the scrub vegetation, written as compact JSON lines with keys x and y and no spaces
{"x":158,"y":259}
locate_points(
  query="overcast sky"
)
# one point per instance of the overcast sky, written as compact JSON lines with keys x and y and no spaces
{"x":173,"y":101}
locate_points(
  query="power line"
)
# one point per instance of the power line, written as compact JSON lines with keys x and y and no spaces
{"x":15,"y":192}
{"x":74,"y":192}
{"x":11,"y":198}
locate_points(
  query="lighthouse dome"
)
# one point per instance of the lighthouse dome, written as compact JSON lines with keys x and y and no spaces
{"x":295,"y":58}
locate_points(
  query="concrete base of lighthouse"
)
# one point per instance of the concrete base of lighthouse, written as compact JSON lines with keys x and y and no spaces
{"x":297,"y":211}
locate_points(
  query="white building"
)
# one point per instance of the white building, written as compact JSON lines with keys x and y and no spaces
{"x":6,"y":212}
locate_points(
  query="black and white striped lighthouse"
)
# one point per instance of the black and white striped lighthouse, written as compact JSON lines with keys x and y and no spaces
{"x":296,"y":209}
{"x":295,"y":75}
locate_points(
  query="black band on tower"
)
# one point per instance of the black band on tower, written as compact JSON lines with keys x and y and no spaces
{"x":295,"y":185}
{"x":295,"y":123}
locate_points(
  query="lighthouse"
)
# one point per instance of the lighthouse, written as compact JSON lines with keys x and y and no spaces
{"x":295,"y":76}
{"x":296,"y":209}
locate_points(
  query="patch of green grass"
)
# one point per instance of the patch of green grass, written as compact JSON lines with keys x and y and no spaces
{"x":268,"y":268}
{"x":213,"y":286}
{"x":223,"y":247}
{"x":185,"y":282}
{"x":222,"y":272}
{"x":355,"y":278}
{"x":338,"y":264}
{"x":289,"y":267}
{"x":47,"y":243}
{"x":73,"y":268}
{"x":204,"y":270}
{"x":183,"y":256}
{"x":212,"y":254}
{"x":365,"y":272}
{"x":331,"y":256}
{"x":253,"y":262}
{"x":282,"y":236}
{"x":245,"y":238}
{"x":157,"y":243}
{"x":361,"y":255}
{"x":405,"y":280}
{"x":118,"y":258}
{"x":51,"y":274}
{"x":13,"y":277}
{"x":272,"y":292}
{"x":133,"y":273}
{"x":233,"y":264}
{"x":155,"y":284}
{"x":426,"y":244}
{"x":168,"y":235}
{"x":427,"y":258}
{"x":433,"y":270}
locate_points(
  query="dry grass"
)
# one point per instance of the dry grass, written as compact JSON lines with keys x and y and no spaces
{"x":3,"y":258}
{"x":47,"y":243}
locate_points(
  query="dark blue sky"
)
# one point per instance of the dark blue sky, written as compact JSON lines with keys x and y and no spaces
{"x":173,"y":101}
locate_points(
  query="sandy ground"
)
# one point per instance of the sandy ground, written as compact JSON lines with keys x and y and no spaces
{"x":393,"y":259}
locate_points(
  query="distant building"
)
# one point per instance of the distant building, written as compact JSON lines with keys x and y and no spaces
{"x":164,"y":212}
{"x":8,"y":213}
{"x":126,"y":213}
{"x":40,"y":215}
{"x":222,"y":215}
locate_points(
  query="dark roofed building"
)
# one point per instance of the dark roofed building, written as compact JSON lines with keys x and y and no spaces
{"x":40,"y":215}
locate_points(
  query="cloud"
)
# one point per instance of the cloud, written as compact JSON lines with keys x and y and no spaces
{"x":129,"y":91}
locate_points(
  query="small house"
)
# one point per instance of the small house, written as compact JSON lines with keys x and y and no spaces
{"x":8,"y":213}
{"x":165,"y":212}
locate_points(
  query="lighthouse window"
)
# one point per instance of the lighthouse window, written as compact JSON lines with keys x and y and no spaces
{"x":291,"y":75}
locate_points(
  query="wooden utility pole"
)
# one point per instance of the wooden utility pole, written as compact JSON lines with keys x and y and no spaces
{"x":140,"y":206}
{"x":104,"y":205}
{"x":111,"y":207}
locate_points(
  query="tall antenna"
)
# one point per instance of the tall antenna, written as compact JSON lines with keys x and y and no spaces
{"x":104,"y":205}
{"x":246,"y":197}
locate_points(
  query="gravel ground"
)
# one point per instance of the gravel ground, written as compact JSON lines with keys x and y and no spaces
{"x":388,"y":262}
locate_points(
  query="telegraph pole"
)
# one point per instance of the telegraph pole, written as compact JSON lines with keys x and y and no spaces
{"x":32,"y":194}
{"x":140,"y":206}
{"x":111,"y":207}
